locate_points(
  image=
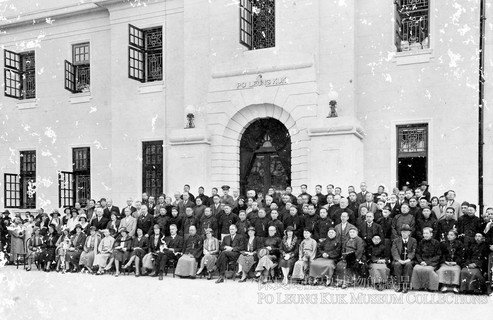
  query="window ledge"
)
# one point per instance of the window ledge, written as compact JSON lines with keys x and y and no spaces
{"x":80,"y":97}
{"x":150,"y":87}
{"x":413,"y":56}
{"x":27,"y":104}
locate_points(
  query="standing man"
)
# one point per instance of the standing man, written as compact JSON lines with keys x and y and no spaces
{"x":226,"y":198}
{"x":225,"y":220}
{"x":205,"y":199}
{"x":129,"y":206}
{"x":361,"y":196}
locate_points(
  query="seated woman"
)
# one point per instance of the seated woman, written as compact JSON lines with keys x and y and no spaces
{"x":47,"y":256}
{"x":289,"y":251}
{"x":34,"y":246}
{"x":269,"y":255}
{"x":192,"y":251}
{"x":73,"y":220}
{"x":307,"y":252}
{"x":452,"y":257}
{"x":139,"y":248}
{"x":210,"y":251}
{"x":105,"y":250}
{"x":154,"y":248}
{"x":76,"y":247}
{"x":248,"y":257}
{"x":348,"y":268}
{"x":62,"y":245}
{"x":329,"y":251}
{"x":84,"y":224}
{"x":475,"y":263}
{"x":121,"y":251}
{"x":89,"y":252}
{"x":114,"y":223}
{"x":428,"y":256}
{"x":376,"y":255}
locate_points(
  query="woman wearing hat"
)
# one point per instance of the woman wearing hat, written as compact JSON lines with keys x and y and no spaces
{"x":248,"y":257}
{"x":140,"y":245}
{"x":34,"y":246}
{"x":89,"y":251}
{"x":72,"y":256}
{"x":210,"y":251}
{"x":352,"y":259}
{"x":48,"y":255}
{"x":105,"y":249}
{"x":56,"y":221}
{"x":268,"y":255}
{"x":307,"y":252}
{"x":121,"y":252}
{"x":452,"y":257}
{"x":377,"y":258}
{"x":84,"y":224}
{"x":73,"y":220}
{"x":289,"y":251}
{"x":329,"y":251}
{"x":62,"y":245}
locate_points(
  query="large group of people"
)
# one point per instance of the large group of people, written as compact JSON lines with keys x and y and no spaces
{"x":405,"y":237}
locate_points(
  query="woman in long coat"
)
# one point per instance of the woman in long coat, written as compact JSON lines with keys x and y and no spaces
{"x":475,"y":263}
{"x":428,"y":255}
{"x":307,"y":252}
{"x":378,"y":260}
{"x":352,"y":258}
{"x":452,"y":257}
{"x":17,"y":245}
{"x":329,"y":251}
{"x":90,"y":249}
{"x":192,"y":251}
{"x":77,"y":242}
{"x":269,"y":255}
{"x":248,"y":257}
{"x":289,"y":253}
{"x":48,"y":254}
{"x":210,"y":251}
{"x":34,"y":247}
{"x":105,"y":249}
{"x":140,"y":245}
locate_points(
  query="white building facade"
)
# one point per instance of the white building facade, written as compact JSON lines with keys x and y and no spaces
{"x":97,"y":96}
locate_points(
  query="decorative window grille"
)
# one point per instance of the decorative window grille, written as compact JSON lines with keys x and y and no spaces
{"x":77,"y":72}
{"x":257,"y":24}
{"x":12,"y":191}
{"x":66,"y":184}
{"x":20,"y":189}
{"x":412,"y":25}
{"x":145,"y":54}
{"x":19,"y":75}
{"x":412,"y":141}
{"x":82,"y":174}
{"x":152,"y":167}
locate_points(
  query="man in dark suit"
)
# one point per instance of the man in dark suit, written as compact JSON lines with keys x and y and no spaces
{"x":130,"y":206}
{"x":216,"y":206}
{"x":100,"y":221}
{"x":395,"y":208}
{"x":368,"y":203}
{"x":361,"y":196}
{"x":110,"y":209}
{"x":230,"y":248}
{"x":145,"y":221}
{"x":369,"y":229}
{"x":184,"y":204}
{"x":403,"y":252}
{"x":171,"y":249}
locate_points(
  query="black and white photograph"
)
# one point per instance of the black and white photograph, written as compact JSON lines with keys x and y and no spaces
{"x":246,"y":159}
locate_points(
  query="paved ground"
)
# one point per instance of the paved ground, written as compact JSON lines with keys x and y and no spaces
{"x":40,"y":295}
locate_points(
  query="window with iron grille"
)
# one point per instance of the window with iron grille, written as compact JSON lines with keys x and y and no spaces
{"x":20,"y":189}
{"x":412,"y":140}
{"x":78,"y":72}
{"x":66,"y":183}
{"x":82,"y":174}
{"x":257,"y":24}
{"x":152,"y":167}
{"x":412,"y":25}
{"x":19,"y":75}
{"x":145,"y":54}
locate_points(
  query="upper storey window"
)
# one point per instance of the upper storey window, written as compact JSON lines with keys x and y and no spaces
{"x":412,"y":25}
{"x":257,"y":24}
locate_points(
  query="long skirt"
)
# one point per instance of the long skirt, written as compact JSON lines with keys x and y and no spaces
{"x":16,"y":247}
{"x":449,"y":274}
{"x":246,"y":262}
{"x":47,"y":255}
{"x":265,"y":263}
{"x":101,"y":259}
{"x":379,"y":272}
{"x":87,"y":258}
{"x":424,"y":277}
{"x":472,"y":280}
{"x":300,"y":269}
{"x":344,"y":272}
{"x":73,"y":256}
{"x":138,"y":253}
{"x":322,"y":267}
{"x":209,"y":262}
{"x":186,"y":266}
{"x":121,"y":256}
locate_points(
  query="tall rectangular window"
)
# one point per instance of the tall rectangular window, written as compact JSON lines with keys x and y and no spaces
{"x":78,"y":72}
{"x":412,"y":154}
{"x":20,"y":189}
{"x":152,"y":168}
{"x":81,"y":159}
{"x":19,"y":75}
{"x":66,"y":184}
{"x":145,"y":54}
{"x":258,"y":24}
{"x":412,"y":25}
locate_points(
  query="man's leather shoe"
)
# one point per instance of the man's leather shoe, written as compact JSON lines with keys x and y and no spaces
{"x":220,"y":280}
{"x":209,"y":276}
{"x":160,"y":277}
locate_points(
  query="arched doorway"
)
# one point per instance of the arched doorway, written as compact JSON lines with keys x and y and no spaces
{"x":265,"y":156}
